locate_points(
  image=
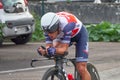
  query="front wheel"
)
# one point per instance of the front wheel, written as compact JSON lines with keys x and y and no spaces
{"x":53,"y":74}
{"x":93,"y":72}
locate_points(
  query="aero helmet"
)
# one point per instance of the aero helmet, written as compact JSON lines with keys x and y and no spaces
{"x":50,"y":22}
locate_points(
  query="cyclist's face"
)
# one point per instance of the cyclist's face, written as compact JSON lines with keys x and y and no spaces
{"x":53,"y":35}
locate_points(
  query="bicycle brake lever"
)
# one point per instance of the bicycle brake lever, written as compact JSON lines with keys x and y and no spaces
{"x":32,"y":61}
{"x":43,"y":47}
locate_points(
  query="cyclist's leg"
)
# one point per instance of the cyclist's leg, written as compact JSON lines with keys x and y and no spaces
{"x":81,"y":67}
{"x":82,"y":54}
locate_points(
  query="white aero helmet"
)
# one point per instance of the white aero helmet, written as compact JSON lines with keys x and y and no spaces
{"x":50,"y":22}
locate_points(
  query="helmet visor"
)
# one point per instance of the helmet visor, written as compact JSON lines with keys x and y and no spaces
{"x":51,"y":29}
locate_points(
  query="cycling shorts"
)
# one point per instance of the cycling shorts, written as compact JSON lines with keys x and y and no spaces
{"x":81,"y":45}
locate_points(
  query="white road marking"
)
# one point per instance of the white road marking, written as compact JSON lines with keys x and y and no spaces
{"x":25,"y":69}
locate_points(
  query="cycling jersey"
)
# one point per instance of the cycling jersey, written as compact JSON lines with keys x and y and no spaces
{"x":72,"y":30}
{"x":69,"y":25}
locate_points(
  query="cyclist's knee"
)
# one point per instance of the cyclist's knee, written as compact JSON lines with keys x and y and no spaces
{"x":81,"y":67}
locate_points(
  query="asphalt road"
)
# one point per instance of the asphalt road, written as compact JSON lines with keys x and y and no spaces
{"x":15,"y":61}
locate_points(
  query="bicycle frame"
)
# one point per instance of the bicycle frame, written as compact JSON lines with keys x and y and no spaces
{"x":59,"y":61}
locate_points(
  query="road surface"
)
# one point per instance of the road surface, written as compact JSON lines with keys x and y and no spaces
{"x":15,"y":61}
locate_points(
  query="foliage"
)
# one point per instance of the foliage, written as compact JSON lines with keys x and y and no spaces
{"x":1,"y":26}
{"x":0,"y":30}
{"x":104,"y":31}
{"x":38,"y":33}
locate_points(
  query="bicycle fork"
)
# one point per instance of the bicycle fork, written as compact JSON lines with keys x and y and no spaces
{"x":59,"y":65}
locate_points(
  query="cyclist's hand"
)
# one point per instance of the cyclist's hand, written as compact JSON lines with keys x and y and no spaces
{"x":51,"y":51}
{"x":41,"y":50}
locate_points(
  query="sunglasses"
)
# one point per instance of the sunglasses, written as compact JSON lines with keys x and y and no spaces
{"x":52,"y":29}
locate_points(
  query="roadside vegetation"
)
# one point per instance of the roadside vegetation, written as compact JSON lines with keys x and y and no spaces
{"x":38,"y":33}
{"x":104,"y":31}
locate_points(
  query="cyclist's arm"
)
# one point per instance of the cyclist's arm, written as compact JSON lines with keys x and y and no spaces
{"x":49,"y":45}
{"x":65,"y":41}
{"x":61,"y":48}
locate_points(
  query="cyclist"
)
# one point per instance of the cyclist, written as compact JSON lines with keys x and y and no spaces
{"x":61,"y":30}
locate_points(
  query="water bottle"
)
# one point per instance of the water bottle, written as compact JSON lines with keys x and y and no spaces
{"x":70,"y":77}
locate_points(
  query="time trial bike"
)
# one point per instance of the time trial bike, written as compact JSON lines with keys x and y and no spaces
{"x":58,"y":72}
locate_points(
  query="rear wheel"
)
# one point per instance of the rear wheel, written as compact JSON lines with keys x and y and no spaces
{"x":22,"y":39}
{"x":93,"y":72}
{"x":53,"y":74}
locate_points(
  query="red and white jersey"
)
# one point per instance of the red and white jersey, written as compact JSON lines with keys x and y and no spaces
{"x":66,"y":18}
